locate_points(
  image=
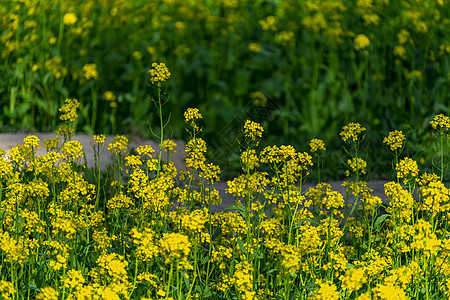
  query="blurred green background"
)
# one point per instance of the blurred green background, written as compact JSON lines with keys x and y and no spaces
{"x":303,"y":69}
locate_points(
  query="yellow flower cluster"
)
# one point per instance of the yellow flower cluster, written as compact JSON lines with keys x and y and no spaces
{"x":69,"y":110}
{"x":400,"y":201}
{"x":111,"y":98}
{"x":351,"y":132}
{"x":99,"y":139}
{"x":441,"y":123}
{"x":48,"y":293}
{"x":192,"y":114}
{"x":119,"y":143}
{"x":147,"y":232}
{"x":353,"y":279}
{"x":361,"y":42}
{"x":32,"y":141}
{"x":244,"y":280}
{"x":249,"y":160}
{"x":252,"y":130}
{"x":72,"y":150}
{"x":7,"y":289}
{"x":356,"y":164}
{"x":395,"y":140}
{"x":316,"y":145}
{"x":435,"y":198}
{"x":168,"y":145}
{"x":70,"y":19}
{"x":175,"y":245}
{"x":90,"y":71}
{"x":159,"y":73}
{"x":254,"y":47}
{"x":407,"y":169}
{"x":327,"y":290}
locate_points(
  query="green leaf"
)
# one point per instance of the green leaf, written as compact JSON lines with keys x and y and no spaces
{"x":241,"y":245}
{"x":380,"y":220}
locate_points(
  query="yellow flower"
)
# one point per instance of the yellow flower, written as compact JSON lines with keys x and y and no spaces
{"x":48,"y":293}
{"x":69,"y":110}
{"x":192,"y":114}
{"x":327,"y":291}
{"x":403,"y":36}
{"x":74,"y":279}
{"x":145,"y":150}
{"x":175,"y":245}
{"x":441,"y":123}
{"x":252,"y":130}
{"x":168,"y":145}
{"x":109,"y":96}
{"x":317,"y":144}
{"x":72,"y":149}
{"x":407,"y":169}
{"x":32,"y":141}
{"x":389,"y":291}
{"x":99,"y":139}
{"x":90,"y":71}
{"x":361,"y":42}
{"x":269,"y":23}
{"x":395,"y":140}
{"x":119,"y":143}
{"x":137,"y":55}
{"x":400,"y":51}
{"x":52,"y":143}
{"x":6,"y":289}
{"x":159,"y":73}
{"x":354,"y":279}
{"x":70,"y":19}
{"x":254,"y":47}
{"x":250,"y":159}
{"x":351,"y":132}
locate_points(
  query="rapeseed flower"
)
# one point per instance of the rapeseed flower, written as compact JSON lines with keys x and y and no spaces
{"x":435,"y":197}
{"x":395,"y":140}
{"x":316,"y":145}
{"x":252,"y":130}
{"x":70,"y":18}
{"x":175,"y":245}
{"x":389,"y":291}
{"x":353,"y":279}
{"x":119,"y":143}
{"x":69,"y":110}
{"x":249,"y":160}
{"x":407,"y":169}
{"x":192,"y":114}
{"x":159,"y":73}
{"x":99,"y":139}
{"x":327,"y":291}
{"x":356,"y":165}
{"x":361,"y":42}
{"x":74,"y":279}
{"x":254,"y":47}
{"x":7,"y":289}
{"x":72,"y":150}
{"x":169,"y":145}
{"x":351,"y":132}
{"x":47,"y":293}
{"x":90,"y":71}
{"x":109,"y":96}
{"x":440,"y":123}
{"x":32,"y":141}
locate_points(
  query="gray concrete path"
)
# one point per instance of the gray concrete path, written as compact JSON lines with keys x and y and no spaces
{"x":7,"y":140}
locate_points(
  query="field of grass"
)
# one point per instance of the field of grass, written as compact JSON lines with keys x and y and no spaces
{"x":303,"y":69}
{"x":134,"y":233}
